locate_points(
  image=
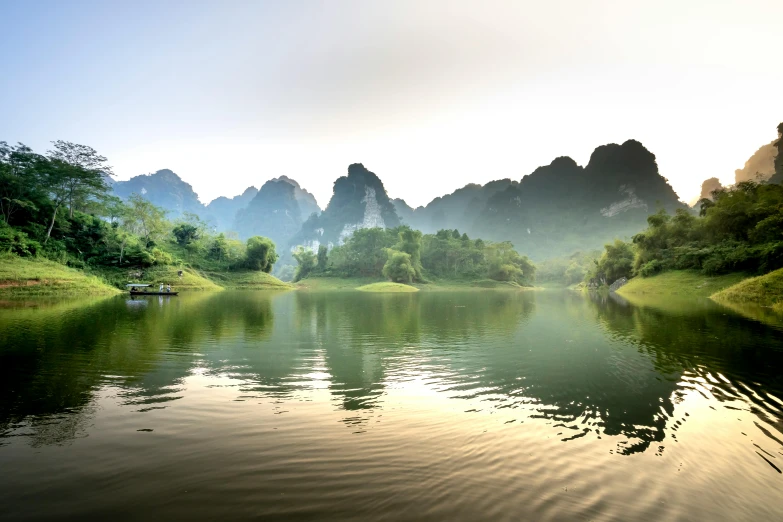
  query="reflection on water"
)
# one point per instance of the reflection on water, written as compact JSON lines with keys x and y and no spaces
{"x":431,"y":405}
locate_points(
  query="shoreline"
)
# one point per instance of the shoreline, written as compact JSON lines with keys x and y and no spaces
{"x":37,"y":277}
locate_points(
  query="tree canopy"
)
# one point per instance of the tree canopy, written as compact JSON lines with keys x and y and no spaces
{"x":59,"y":206}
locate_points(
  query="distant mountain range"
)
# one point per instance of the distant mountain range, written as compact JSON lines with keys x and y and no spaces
{"x":557,"y":209}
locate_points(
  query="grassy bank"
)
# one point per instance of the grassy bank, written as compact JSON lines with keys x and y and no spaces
{"x":355,"y":283}
{"x":766,"y":290}
{"x":685,"y":283}
{"x":248,"y":279}
{"x":334,"y":283}
{"x":387,"y":287}
{"x":20,"y":277}
{"x":191,"y":279}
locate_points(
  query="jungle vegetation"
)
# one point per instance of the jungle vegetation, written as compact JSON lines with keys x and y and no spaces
{"x":404,"y":255}
{"x":59,"y":206}
{"x":739,"y":229}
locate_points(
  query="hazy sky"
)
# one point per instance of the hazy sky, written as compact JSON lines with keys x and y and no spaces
{"x":429,"y":95}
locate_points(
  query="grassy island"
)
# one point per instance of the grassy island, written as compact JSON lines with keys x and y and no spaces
{"x":388,"y":287}
{"x":247,"y":280}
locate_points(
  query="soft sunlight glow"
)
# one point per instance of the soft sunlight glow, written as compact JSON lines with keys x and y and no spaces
{"x":438,"y":93}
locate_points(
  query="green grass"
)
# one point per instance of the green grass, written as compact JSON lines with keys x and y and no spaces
{"x":248,"y":279}
{"x":491,"y":283}
{"x":191,"y":279}
{"x":334,"y":283}
{"x":688,"y":283}
{"x":351,"y":283}
{"x":387,"y":287}
{"x":766,"y":290}
{"x":21,"y":277}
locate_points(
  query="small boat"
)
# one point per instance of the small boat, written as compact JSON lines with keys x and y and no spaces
{"x":139,"y":289}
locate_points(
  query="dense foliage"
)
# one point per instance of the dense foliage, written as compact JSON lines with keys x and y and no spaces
{"x":569,"y":270}
{"x":59,"y":205}
{"x":739,"y":230}
{"x":405,"y":255}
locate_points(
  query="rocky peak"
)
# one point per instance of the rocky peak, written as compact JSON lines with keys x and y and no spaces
{"x":306,"y":200}
{"x":359,"y":200}
{"x":165,"y":189}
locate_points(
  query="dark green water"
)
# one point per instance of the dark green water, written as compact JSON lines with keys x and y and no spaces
{"x":431,"y":406}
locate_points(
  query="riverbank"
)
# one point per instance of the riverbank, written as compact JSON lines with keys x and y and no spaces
{"x":762,"y":294}
{"x":191,"y":279}
{"x":247,"y":280}
{"x":765,"y":291}
{"x":356,"y":283}
{"x":21,"y":277}
{"x":387,"y":288}
{"x":682,"y":283}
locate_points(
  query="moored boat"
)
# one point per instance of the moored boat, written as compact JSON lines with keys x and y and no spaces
{"x":141,"y":289}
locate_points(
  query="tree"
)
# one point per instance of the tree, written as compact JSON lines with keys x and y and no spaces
{"x":185,"y":233}
{"x":410,"y":243}
{"x":616,"y":262}
{"x":219,"y":248}
{"x":144,"y":219}
{"x":84,"y":177}
{"x":399,"y":267}
{"x":505,"y":264}
{"x":306,"y":262}
{"x":17,"y":178}
{"x":260,"y":254}
{"x":72,"y":174}
{"x":323,"y":253}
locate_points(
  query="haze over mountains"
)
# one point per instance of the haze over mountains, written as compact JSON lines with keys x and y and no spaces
{"x":556,"y":210}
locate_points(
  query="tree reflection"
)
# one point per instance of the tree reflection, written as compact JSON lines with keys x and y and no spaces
{"x":587,"y":365}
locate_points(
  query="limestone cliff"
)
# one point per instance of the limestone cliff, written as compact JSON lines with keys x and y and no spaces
{"x":222,"y":211}
{"x":563,"y":207}
{"x":359,"y":200}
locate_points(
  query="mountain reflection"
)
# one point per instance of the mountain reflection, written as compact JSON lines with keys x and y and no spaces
{"x":587,"y":365}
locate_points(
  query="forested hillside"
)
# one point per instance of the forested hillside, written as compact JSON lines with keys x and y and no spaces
{"x":739,"y":230}
{"x":59,"y":206}
{"x":404,"y":255}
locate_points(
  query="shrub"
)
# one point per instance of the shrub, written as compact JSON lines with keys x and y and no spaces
{"x":260,"y":254}
{"x":650,"y":268}
{"x":399,"y":267}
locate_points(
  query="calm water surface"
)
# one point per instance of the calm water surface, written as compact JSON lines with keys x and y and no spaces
{"x":434,"y":406}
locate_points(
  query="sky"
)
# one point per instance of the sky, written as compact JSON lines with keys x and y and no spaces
{"x":429,"y":94}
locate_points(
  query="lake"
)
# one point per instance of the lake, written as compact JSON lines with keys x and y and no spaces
{"x":484,"y":405}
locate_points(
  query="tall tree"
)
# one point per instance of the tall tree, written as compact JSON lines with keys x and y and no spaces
{"x":84,"y":176}
{"x":17,"y":178}
{"x":260,"y":254}
{"x":323,"y":257}
{"x":410,"y":243}
{"x":306,"y":260}
{"x":144,"y":219}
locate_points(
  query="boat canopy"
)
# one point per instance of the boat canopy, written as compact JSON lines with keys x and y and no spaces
{"x":134,"y":285}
